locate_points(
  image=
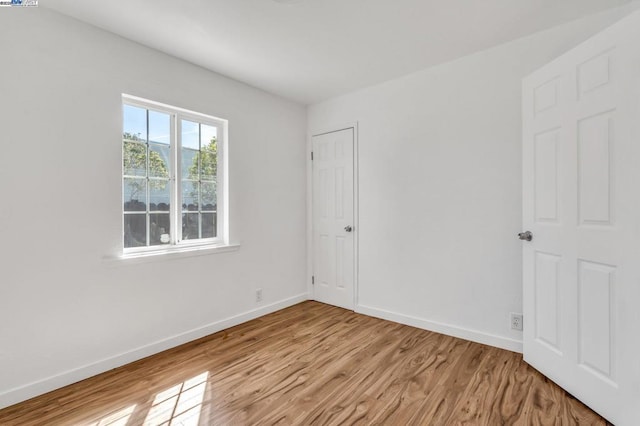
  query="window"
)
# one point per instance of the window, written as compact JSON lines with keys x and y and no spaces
{"x":172,"y":176}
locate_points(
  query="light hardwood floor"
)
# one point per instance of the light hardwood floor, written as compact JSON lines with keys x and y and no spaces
{"x":314,"y":364}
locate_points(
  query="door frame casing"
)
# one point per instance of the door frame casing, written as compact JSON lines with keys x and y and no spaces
{"x":310,"y":135}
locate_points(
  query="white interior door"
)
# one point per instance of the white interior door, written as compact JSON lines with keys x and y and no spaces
{"x":581,"y":188}
{"x":333,"y":218}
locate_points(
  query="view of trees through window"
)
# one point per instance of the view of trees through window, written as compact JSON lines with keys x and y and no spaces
{"x":148,"y":149}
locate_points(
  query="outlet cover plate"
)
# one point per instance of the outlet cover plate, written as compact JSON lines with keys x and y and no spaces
{"x":516,"y":321}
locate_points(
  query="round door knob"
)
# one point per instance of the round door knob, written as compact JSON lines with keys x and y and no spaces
{"x":348,"y":228}
{"x":525,"y":236}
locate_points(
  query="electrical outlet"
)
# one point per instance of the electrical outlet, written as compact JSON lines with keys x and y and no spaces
{"x":516,"y":321}
{"x":259,"y":295}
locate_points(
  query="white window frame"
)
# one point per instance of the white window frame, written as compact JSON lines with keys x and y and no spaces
{"x":177,"y":244}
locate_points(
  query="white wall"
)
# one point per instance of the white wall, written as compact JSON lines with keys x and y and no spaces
{"x":65,"y":312}
{"x":440,"y":186}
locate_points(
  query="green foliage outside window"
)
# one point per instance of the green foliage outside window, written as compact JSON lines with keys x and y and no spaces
{"x":208,"y":159}
{"x":135,"y":163}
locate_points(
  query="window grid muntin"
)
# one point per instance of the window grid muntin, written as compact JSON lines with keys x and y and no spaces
{"x":199,"y":186}
{"x":176,"y":116}
{"x":148,"y":183}
{"x":199,"y":181}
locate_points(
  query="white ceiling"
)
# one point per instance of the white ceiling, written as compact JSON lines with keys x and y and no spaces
{"x":311,"y":50}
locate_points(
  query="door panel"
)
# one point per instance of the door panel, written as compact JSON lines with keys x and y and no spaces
{"x":595,"y":322}
{"x":594,"y":170}
{"x":333,"y":207}
{"x":546,"y":299}
{"x":581,"y":200}
{"x":546,"y":176}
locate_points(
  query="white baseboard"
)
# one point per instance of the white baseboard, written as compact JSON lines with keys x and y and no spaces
{"x":450,"y":330}
{"x":22,"y":393}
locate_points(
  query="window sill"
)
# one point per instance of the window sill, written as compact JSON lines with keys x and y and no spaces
{"x":169,"y":254}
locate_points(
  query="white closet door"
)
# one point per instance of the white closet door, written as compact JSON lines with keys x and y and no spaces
{"x":333,"y":215}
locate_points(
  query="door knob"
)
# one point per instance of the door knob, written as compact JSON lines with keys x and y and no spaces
{"x":348,"y":228}
{"x":526,"y":236}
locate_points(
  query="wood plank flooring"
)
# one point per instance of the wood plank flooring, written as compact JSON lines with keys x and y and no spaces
{"x":314,"y":364}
